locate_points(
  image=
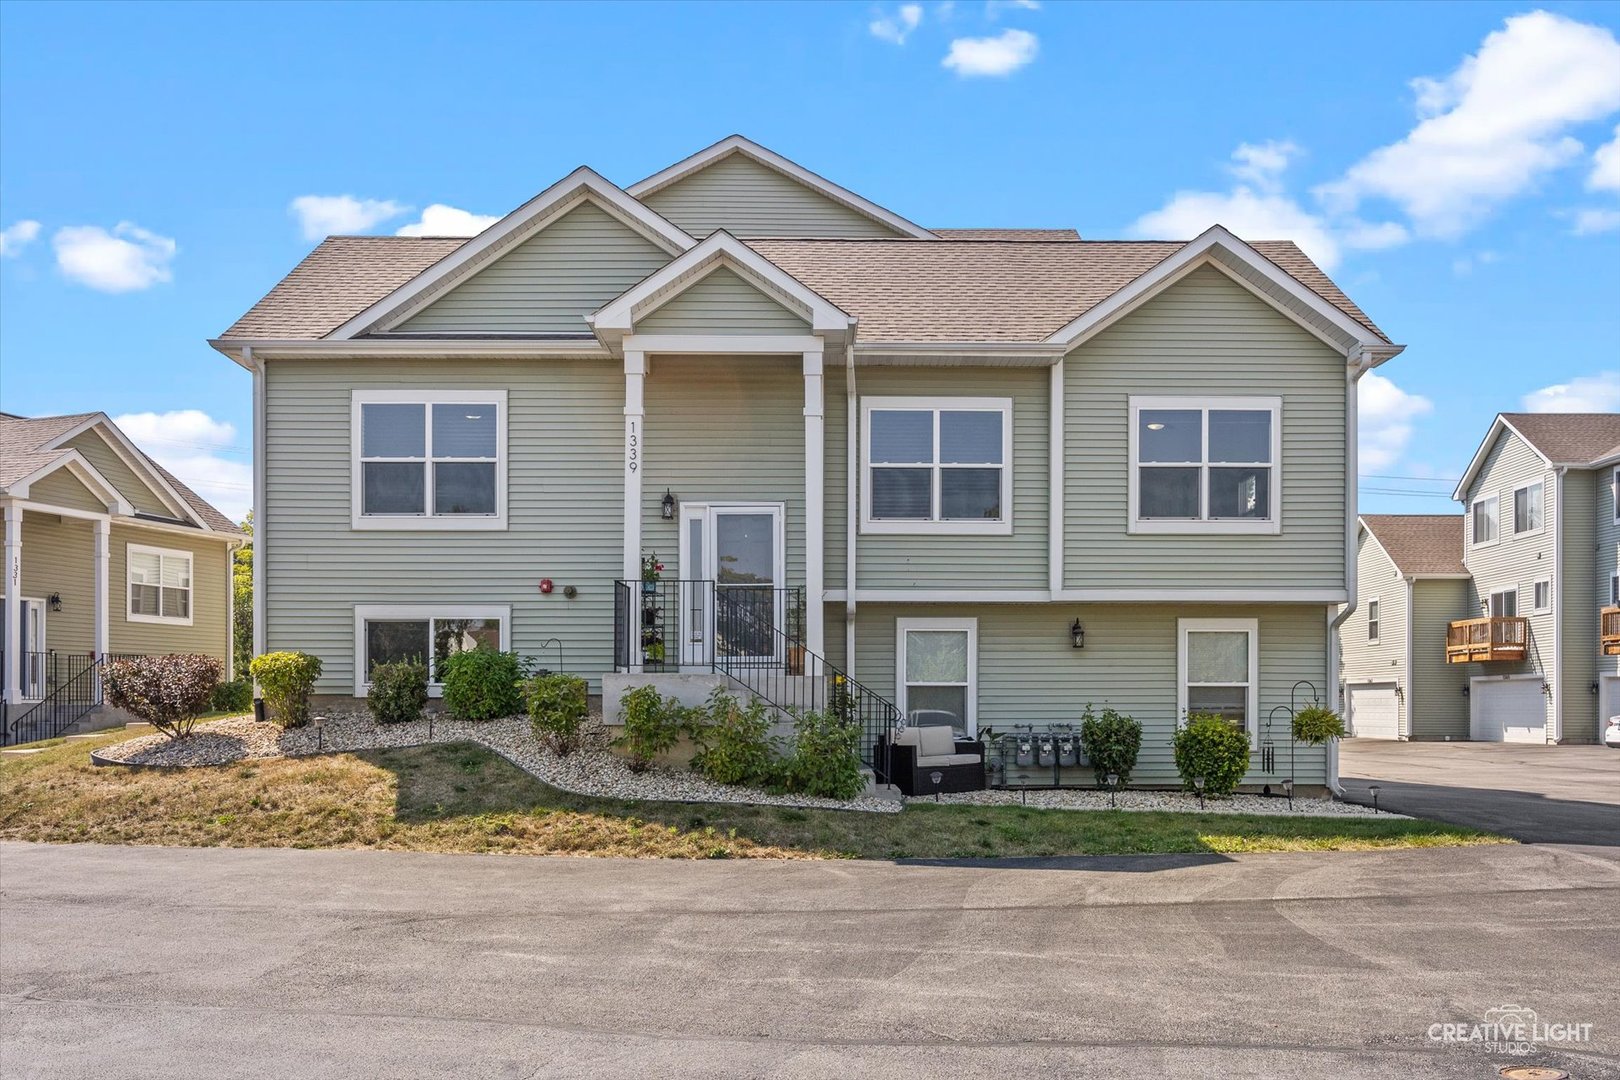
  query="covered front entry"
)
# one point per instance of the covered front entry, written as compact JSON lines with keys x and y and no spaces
{"x":1373,"y":710}
{"x":735,"y":609}
{"x":1507,"y":710}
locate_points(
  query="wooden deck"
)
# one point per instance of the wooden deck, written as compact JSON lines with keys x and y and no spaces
{"x":1609,"y":631}
{"x":1497,"y":637}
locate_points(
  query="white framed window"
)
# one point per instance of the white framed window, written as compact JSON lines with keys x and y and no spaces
{"x":1372,"y":620}
{"x":1503,"y":602}
{"x":159,"y":585}
{"x":937,"y":672}
{"x":390,"y":633}
{"x":428,"y":459}
{"x":1614,"y":491}
{"x":1486,"y":516}
{"x":1218,"y":671}
{"x":1528,"y":504}
{"x":1541,"y":596}
{"x":936,"y":465}
{"x":1614,"y":590}
{"x":1205,"y":464}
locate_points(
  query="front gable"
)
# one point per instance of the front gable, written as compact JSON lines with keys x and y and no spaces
{"x":142,"y":495}
{"x":61,"y":487}
{"x":722,"y":303}
{"x":548,"y":283}
{"x":746,"y":198}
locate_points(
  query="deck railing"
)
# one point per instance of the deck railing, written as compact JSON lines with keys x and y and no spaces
{"x":1609,"y":630}
{"x":1494,"y":637}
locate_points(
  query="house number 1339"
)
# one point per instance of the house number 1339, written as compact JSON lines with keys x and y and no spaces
{"x":632,"y":447}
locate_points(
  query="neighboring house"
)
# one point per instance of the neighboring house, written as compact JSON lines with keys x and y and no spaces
{"x":106,"y":554}
{"x":1505,"y":622}
{"x":913,"y":464}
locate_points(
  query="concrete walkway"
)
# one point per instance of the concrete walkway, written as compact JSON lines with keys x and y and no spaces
{"x":1536,"y":794}
{"x":156,"y":962}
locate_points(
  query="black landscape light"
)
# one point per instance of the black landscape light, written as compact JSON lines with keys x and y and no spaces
{"x":1288,"y":790}
{"x":1198,"y":782}
{"x":936,"y":776}
{"x":1113,"y":786}
{"x":1372,"y":789}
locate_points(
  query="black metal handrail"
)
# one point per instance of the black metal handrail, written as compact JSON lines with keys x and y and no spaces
{"x":73,"y":689}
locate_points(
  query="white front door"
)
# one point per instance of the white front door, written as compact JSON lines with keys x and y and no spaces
{"x":1374,"y":711}
{"x":31,"y":659}
{"x":733,"y":611}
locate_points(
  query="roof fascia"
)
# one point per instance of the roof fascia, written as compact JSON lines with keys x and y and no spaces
{"x":135,"y":458}
{"x":400,"y":347}
{"x":86,"y":473}
{"x":1499,"y":425}
{"x":517,"y":226}
{"x":738,"y":144}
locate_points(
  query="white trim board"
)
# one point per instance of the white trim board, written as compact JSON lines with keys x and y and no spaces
{"x":133,"y":457}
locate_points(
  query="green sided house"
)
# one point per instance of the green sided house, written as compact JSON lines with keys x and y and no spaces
{"x":106,"y":554}
{"x":738,"y":425}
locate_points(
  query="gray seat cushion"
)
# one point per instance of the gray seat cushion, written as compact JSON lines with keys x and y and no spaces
{"x":934,"y":761}
{"x":934,"y":741}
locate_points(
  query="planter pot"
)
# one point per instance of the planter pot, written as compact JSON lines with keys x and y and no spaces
{"x":649,"y":586}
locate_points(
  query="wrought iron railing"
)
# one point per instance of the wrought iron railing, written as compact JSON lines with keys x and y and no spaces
{"x":70,"y":686}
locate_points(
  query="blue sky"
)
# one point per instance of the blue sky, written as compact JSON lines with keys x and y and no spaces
{"x":1447,"y":160}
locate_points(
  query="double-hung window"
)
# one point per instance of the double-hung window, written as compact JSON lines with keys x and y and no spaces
{"x":1217,"y":662}
{"x":1487,"y":521}
{"x":424,"y":634}
{"x":159,"y":585}
{"x":1541,"y":596}
{"x":937,"y":465}
{"x":1527,"y":508}
{"x":1372,"y":620}
{"x":1205,"y":465}
{"x":429,"y":459}
{"x":938,"y":672}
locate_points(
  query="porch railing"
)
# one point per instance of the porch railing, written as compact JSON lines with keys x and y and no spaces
{"x":1609,"y":630}
{"x":71,"y":688}
{"x":1496,"y":637}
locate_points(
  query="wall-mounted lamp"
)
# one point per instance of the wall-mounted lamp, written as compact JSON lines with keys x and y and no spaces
{"x":1077,"y":635}
{"x":1594,"y":688}
{"x":669,"y":505}
{"x":55,"y":601}
{"x":1465,"y":689}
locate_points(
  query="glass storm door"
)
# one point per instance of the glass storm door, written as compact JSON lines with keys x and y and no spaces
{"x":31,"y":656}
{"x":734,"y":612}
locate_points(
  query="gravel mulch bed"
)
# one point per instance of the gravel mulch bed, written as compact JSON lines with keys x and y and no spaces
{"x":1160,"y":800}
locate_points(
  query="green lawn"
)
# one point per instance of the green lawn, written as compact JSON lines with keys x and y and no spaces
{"x":461,"y":797}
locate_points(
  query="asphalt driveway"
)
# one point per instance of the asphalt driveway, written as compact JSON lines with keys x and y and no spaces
{"x":1535,"y":794}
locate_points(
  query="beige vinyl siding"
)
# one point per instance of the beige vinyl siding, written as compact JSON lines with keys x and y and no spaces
{"x":1435,"y":705}
{"x":62,"y":488}
{"x":1513,"y":561}
{"x":565,"y":431}
{"x":1029,"y":673}
{"x":1205,"y":335}
{"x":1578,"y":621}
{"x":922,"y":560}
{"x":722,"y":303}
{"x":209,"y":632}
{"x":723,"y":429}
{"x":1364,"y":660}
{"x":548,"y":283}
{"x":745,"y":198}
{"x":106,"y":461}
{"x":58,"y":556}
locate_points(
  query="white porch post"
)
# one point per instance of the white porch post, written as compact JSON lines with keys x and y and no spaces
{"x":103,"y":560}
{"x":635,"y":375}
{"x":9,"y":684}
{"x":815,"y":493}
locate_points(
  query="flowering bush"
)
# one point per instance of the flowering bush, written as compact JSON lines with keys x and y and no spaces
{"x":286,"y":679}
{"x":166,"y":691}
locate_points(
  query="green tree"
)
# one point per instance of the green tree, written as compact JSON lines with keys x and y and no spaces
{"x":242,"y":601}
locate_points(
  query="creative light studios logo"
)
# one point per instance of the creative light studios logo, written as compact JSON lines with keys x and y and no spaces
{"x":1510,"y":1029}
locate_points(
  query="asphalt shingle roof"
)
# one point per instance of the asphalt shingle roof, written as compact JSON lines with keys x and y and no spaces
{"x":1420,"y":543}
{"x":1570,"y":438}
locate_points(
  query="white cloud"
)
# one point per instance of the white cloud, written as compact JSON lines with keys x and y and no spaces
{"x":1387,"y":415}
{"x":994,"y":8}
{"x":1598,"y":393}
{"x":1000,"y":55}
{"x":897,"y":27}
{"x":1592,"y":220}
{"x":320,"y":216}
{"x":198,"y":449}
{"x":1251,"y":214}
{"x":16,"y":236}
{"x":1464,"y":265}
{"x":442,"y":220}
{"x":124,"y":260}
{"x":1606,"y":165}
{"x":1493,"y":127}
{"x":1262,"y":164}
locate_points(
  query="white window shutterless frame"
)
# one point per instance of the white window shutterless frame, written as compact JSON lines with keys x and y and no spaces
{"x":936,"y":663}
{"x":1236,"y":469}
{"x":733,"y":559}
{"x":392,"y":632}
{"x":944,"y":461}
{"x":419,"y":438}
{"x":158,"y":585}
{"x":1218,"y":671}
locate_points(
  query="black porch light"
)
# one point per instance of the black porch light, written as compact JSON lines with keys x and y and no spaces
{"x":55,"y":601}
{"x":1077,"y":635}
{"x":669,"y":505}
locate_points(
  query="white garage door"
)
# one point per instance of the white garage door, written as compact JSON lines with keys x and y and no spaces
{"x":1507,"y":710}
{"x":1374,"y":712}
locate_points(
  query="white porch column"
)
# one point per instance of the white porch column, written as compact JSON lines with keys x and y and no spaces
{"x":635,"y":376}
{"x":815,"y":494}
{"x":9,"y":680}
{"x":103,"y":560}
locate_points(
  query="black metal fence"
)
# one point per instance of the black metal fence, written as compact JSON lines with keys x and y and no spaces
{"x":59,"y":689}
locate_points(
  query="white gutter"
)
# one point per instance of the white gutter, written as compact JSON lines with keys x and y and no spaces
{"x":852,"y":503}
{"x":243,"y":350}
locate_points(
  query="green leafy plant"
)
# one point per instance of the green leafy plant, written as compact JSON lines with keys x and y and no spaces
{"x":482,"y":684}
{"x":232,"y":696}
{"x":733,"y":740}
{"x":1316,"y":724}
{"x":1210,"y":747}
{"x":653,"y":724}
{"x":826,"y":757}
{"x":1112,"y":741}
{"x":558,"y":705}
{"x":166,"y":691}
{"x":399,"y":692}
{"x":286,"y":679}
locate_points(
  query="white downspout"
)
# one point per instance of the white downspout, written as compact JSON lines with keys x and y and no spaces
{"x":1358,"y":365}
{"x":851,"y":475}
{"x":260,"y":518}
{"x":1557,"y":732}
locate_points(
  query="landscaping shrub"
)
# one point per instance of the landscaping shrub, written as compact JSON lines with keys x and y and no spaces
{"x":286,"y":679}
{"x":166,"y":691}
{"x":734,"y":744}
{"x":558,"y":705}
{"x":1214,"y":749}
{"x":1316,"y":725}
{"x":232,"y":696}
{"x":826,"y":757}
{"x":1111,"y":742}
{"x":482,"y":684}
{"x":399,"y":692}
{"x":652,"y":725}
